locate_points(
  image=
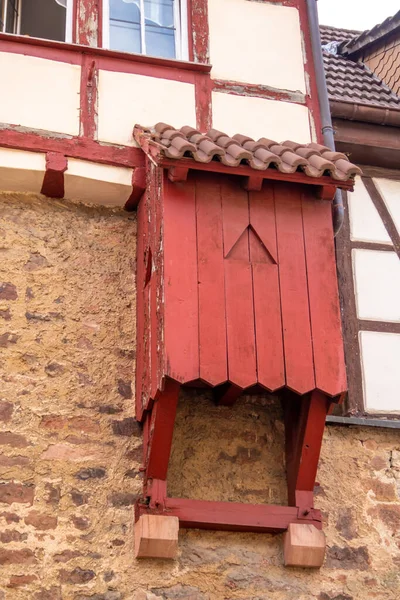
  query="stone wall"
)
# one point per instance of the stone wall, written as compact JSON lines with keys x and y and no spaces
{"x":71,"y":449}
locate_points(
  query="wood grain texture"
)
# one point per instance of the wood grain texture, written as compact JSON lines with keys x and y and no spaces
{"x":140,"y":320}
{"x":293,"y":287}
{"x":268,"y":326}
{"x":212,"y":318}
{"x":267,"y":307}
{"x":262,"y":218}
{"x":235,"y":213}
{"x":304,"y":546}
{"x":181,"y":327}
{"x":242,"y":367}
{"x":328,"y":351}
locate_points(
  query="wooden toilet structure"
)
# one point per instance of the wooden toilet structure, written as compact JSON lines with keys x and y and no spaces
{"x":237,"y":291}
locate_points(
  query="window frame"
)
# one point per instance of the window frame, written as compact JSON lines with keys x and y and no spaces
{"x":69,"y":17}
{"x":180,"y":23}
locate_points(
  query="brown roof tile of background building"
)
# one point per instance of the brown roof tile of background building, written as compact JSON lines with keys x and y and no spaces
{"x":351,"y":81}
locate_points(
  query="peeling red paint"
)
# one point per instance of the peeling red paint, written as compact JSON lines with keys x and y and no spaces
{"x":87,"y":22}
{"x":261,"y":91}
{"x":200,"y":31}
{"x":309,"y":68}
{"x":88,"y":113}
{"x":83,"y":148}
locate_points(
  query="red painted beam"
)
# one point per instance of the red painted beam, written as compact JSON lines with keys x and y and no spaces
{"x":232,"y":516}
{"x":53,"y":181}
{"x":83,"y":148}
{"x":161,"y":431}
{"x":245,"y":171}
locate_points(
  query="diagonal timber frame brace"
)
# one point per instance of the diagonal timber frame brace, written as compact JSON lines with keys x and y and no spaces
{"x":304,"y":427}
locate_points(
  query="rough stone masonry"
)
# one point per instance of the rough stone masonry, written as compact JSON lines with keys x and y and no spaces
{"x":71,"y":449}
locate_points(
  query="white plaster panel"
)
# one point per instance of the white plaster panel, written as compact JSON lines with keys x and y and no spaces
{"x":365,"y":222}
{"x":95,"y":183}
{"x":259,"y":117}
{"x":381,"y":374}
{"x":256,"y":42}
{"x":377,"y":285}
{"x":21,"y":171}
{"x":390,"y":190}
{"x":126,"y":99}
{"x":39,"y":94}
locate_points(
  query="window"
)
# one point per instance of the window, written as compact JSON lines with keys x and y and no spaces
{"x":48,"y":19}
{"x":152,"y":27}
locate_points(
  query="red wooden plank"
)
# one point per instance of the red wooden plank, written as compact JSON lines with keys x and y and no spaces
{"x":242,"y":369}
{"x":235,"y":213}
{"x":267,"y":307}
{"x":212,"y":320}
{"x":157,"y":283}
{"x":233,"y":516}
{"x":161,"y":431}
{"x":246,"y":171}
{"x":293,"y":286}
{"x":311,"y":441}
{"x":268,"y":324}
{"x":140,"y":318}
{"x":330,"y":370}
{"x":181,"y":325}
{"x":262,"y":218}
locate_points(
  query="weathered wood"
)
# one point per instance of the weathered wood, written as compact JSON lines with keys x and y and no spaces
{"x":329,"y":365}
{"x":304,"y":429}
{"x":161,"y":429}
{"x":267,"y":308}
{"x":232,"y":516}
{"x":181,"y":327}
{"x":304,"y":546}
{"x":210,"y":264}
{"x":293,"y":286}
{"x":156,"y":536}
{"x":262,"y":218}
{"x":235,"y":214}
{"x":242,"y":368}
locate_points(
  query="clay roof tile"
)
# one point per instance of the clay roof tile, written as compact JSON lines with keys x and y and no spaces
{"x":313,"y":159}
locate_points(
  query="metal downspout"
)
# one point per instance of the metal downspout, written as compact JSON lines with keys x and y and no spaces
{"x":326,"y":121}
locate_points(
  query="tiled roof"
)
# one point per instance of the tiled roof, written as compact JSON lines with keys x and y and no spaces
{"x":334,"y":34}
{"x":365,"y":38}
{"x":352,"y":81}
{"x":313,"y":159}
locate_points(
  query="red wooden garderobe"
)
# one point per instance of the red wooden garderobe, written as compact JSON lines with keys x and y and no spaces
{"x":237,"y":289}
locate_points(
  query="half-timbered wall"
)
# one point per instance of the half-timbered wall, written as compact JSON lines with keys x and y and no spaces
{"x":369,"y":271}
{"x":251,"y":71}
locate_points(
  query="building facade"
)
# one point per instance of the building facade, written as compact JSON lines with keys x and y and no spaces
{"x":78,"y":75}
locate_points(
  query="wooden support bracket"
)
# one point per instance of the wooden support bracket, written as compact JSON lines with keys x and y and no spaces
{"x":156,"y":536}
{"x":53,"y":181}
{"x":304,"y":546}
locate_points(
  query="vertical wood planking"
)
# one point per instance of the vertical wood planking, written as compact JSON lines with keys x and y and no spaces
{"x":212,"y":319}
{"x":293,"y":286}
{"x":235,"y":214}
{"x":262,"y":217}
{"x":330,"y":371}
{"x":242,"y":368}
{"x":181,"y":326}
{"x":156,"y":284}
{"x":140,"y":318}
{"x":267,"y":307}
